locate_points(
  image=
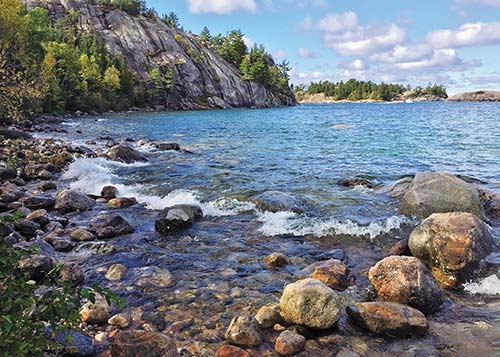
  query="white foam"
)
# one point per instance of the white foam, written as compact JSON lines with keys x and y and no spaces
{"x":290,"y":223}
{"x":487,"y":286}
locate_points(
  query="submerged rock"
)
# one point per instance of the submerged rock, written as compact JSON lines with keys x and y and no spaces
{"x":76,"y":342}
{"x":110,"y":226}
{"x":71,"y":273}
{"x":452,"y":245}
{"x":168,"y":146}
{"x":143,"y":343}
{"x":333,"y":273}
{"x":289,"y":343}
{"x":126,"y":154}
{"x":407,"y":281}
{"x":153,"y":276}
{"x":355,"y":181}
{"x":116,"y":272}
{"x":177,"y":218}
{"x":275,"y":201}
{"x":432,"y":192}
{"x":276,"y":260}
{"x":71,"y":200}
{"x":388,"y":319}
{"x":310,"y":303}
{"x":244,"y":331}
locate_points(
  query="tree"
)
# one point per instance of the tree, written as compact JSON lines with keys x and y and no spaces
{"x":90,"y":73}
{"x":205,"y":35}
{"x":172,"y":19}
{"x":233,"y":48}
{"x":111,"y":80}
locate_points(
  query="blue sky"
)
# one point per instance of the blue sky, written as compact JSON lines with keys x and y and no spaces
{"x":451,"y":42}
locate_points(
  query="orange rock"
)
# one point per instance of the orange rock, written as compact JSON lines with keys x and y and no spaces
{"x":231,"y":351}
{"x":289,"y":343}
{"x":333,"y":273}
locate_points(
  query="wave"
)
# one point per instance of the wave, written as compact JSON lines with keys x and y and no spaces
{"x":289,"y":223}
{"x":487,"y":286}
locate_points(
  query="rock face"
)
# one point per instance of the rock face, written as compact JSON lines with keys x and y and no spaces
{"x":143,"y":343}
{"x":451,"y":245}
{"x":478,"y":96}
{"x":177,"y":218}
{"x":432,"y":192}
{"x":203,"y":79}
{"x":71,"y":200}
{"x":124,"y":153}
{"x":244,"y":331}
{"x":389,"y":319}
{"x":275,"y":201}
{"x":310,"y":303}
{"x":407,"y":281}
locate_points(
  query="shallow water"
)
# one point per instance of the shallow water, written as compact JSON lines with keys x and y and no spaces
{"x":217,"y":265}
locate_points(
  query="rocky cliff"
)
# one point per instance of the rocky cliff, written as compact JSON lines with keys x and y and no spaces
{"x":203,"y":79}
{"x":478,"y":96}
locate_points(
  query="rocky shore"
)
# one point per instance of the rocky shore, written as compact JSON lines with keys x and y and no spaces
{"x":190,"y":295}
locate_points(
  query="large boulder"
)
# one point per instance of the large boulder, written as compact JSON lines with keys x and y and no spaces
{"x":310,"y":303}
{"x":71,"y":200}
{"x":407,"y":281}
{"x":143,"y":343}
{"x":432,"y":192}
{"x":452,"y":245}
{"x":126,"y":154}
{"x":110,"y":226}
{"x":177,"y":218}
{"x":275,"y":201}
{"x":388,"y":319}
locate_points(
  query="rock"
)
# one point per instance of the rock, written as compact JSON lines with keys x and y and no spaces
{"x":400,"y":248}
{"x":275,"y":201}
{"x":109,"y":192}
{"x":289,"y":343}
{"x":268,"y":316}
{"x":96,"y":248}
{"x":36,"y":266}
{"x":491,"y":203}
{"x":45,"y":174}
{"x":110,"y":226}
{"x":153,"y":276}
{"x":355,"y":181}
{"x":71,"y":273}
{"x":71,"y":200}
{"x":388,"y":319}
{"x":338,"y":254}
{"x":76,"y":342}
{"x":122,"y":202}
{"x":168,"y":146}
{"x":121,"y":320}
{"x":177,"y":218}
{"x":7,"y":172}
{"x":95,"y":313}
{"x":276,"y":260}
{"x":452,"y":245}
{"x":6,"y":229}
{"x":244,"y":331}
{"x":124,"y":153}
{"x":14,"y":134}
{"x":407,"y":281}
{"x":333,"y":273}
{"x":81,"y":235}
{"x":432,"y":192}
{"x":231,"y":351}
{"x":38,"y":202}
{"x":39,"y":216}
{"x":116,"y":272}
{"x":477,"y":96}
{"x":26,"y":228}
{"x":59,"y":244}
{"x":47,"y":186}
{"x":310,"y":303}
{"x":143,"y":343}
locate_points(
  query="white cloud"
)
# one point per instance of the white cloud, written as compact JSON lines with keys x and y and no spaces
{"x":310,"y":3}
{"x":221,"y":7}
{"x":306,"y":53}
{"x":248,"y":41}
{"x":404,"y":53}
{"x":338,"y":23}
{"x":467,"y":35}
{"x":356,"y":65}
{"x":279,"y":54}
{"x":442,"y":59}
{"x":307,"y":23}
{"x":495,"y":3}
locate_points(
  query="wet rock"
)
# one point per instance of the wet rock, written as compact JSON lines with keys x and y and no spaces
{"x":110,"y":226}
{"x":388,"y":319}
{"x":81,"y":235}
{"x":71,"y":273}
{"x":396,"y":189}
{"x":71,"y":200}
{"x":289,"y":343}
{"x":437,"y":193}
{"x":38,"y":202}
{"x":45,"y":174}
{"x":121,"y":320}
{"x":452,"y":245}
{"x":95,"y":313}
{"x":36,"y":266}
{"x":143,"y":343}
{"x":177,"y":218}
{"x":491,"y":203}
{"x":400,"y":248}
{"x":168,"y":146}
{"x":14,"y":134}
{"x":46,"y":186}
{"x":244,"y":331}
{"x":338,"y":254}
{"x":39,"y":216}
{"x":109,"y":192}
{"x":231,"y":351}
{"x":333,"y":273}
{"x":6,"y":229}
{"x":124,"y":153}
{"x":26,"y":228}
{"x":116,"y":272}
{"x":122,"y":202}
{"x":153,"y":276}
{"x":96,"y":248}
{"x":355,"y":181}
{"x":76,"y":342}
{"x":18,"y":181}
{"x":60,"y":244}
{"x":407,"y":281}
{"x":275,"y":201}
{"x":7,"y":172}
{"x":310,"y":303}
{"x":276,"y":260}
{"x":268,"y":316}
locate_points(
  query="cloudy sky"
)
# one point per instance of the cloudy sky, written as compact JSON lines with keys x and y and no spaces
{"x":453,"y":42}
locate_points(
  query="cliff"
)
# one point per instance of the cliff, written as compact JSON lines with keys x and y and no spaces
{"x":478,"y":96}
{"x":203,"y":79}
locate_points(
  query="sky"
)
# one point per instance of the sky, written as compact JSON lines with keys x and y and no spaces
{"x":451,"y":42}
